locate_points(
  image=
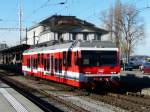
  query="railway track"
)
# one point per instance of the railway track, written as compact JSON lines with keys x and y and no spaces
{"x":37,"y":97}
{"x":127,"y":102}
{"x":132,"y":104}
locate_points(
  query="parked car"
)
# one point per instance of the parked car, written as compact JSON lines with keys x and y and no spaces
{"x":138,"y":60}
{"x":127,"y":66}
{"x":145,"y":67}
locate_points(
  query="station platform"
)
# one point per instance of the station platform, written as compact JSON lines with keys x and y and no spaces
{"x":12,"y":101}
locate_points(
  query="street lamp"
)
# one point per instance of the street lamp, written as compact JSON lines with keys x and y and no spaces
{"x":60,"y":3}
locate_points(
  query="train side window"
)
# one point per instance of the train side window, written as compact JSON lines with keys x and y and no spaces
{"x":44,"y":63}
{"x":60,"y":65}
{"x":64,"y":58}
{"x":52,"y":62}
{"x":23,"y":60}
{"x":56,"y":65}
{"x":28,"y":63}
{"x":48,"y":64}
{"x":76,"y":58}
{"x":42,"y":59}
{"x":38,"y":59}
{"x":69,"y":58}
{"x":36,"y":63}
{"x":33,"y":63}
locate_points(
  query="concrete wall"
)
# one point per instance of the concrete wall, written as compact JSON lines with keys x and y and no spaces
{"x":33,"y":32}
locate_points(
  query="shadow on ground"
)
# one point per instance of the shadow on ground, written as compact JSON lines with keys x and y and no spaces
{"x":133,"y":83}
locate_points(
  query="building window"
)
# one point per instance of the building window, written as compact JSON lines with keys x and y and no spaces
{"x":84,"y":36}
{"x":98,"y":36}
{"x":74,"y":36}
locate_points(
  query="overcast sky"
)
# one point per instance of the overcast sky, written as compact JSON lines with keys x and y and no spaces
{"x":36,"y":10}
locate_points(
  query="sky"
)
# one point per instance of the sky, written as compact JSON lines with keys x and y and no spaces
{"x":36,"y":10}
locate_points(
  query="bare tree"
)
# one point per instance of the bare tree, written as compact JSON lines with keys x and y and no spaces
{"x":125,"y":26}
{"x":117,"y":26}
{"x":132,"y":27}
{"x":111,"y":21}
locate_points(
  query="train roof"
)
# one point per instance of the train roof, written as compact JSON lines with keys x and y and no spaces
{"x":74,"y":44}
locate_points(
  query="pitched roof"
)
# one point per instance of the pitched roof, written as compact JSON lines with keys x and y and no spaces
{"x":59,"y":23}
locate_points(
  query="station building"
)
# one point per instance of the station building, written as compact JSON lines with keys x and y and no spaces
{"x":62,"y":28}
{"x":53,"y":29}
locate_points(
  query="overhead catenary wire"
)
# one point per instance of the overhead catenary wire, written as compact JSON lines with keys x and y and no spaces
{"x":46,"y":4}
{"x":36,"y":10}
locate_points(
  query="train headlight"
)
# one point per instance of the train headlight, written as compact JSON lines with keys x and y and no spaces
{"x":87,"y":72}
{"x":113,"y":72}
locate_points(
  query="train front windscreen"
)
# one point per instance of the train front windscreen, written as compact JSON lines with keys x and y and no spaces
{"x":98,"y":58}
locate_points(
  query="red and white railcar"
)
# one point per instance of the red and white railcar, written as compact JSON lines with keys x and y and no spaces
{"x":73,"y":64}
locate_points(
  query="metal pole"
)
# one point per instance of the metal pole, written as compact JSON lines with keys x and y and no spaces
{"x":34,"y":38}
{"x":20,"y":20}
{"x":26,"y":36}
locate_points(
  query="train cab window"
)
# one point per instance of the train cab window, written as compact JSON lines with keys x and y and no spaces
{"x":101,"y":58}
{"x":86,"y":61}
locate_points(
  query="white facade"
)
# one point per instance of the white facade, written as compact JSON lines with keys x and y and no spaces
{"x":36,"y":35}
{"x":34,"y":32}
